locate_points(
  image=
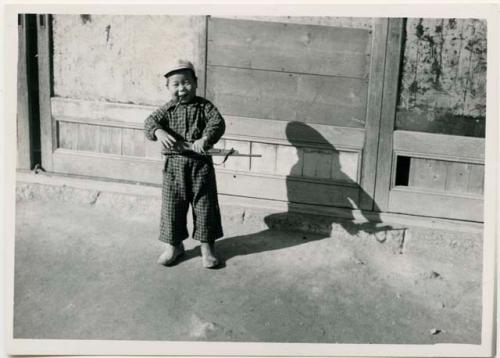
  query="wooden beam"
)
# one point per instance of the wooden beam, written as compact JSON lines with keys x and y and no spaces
{"x":451,"y":206}
{"x":244,"y":128}
{"x":24,"y":146}
{"x":330,"y":100}
{"x":439,"y":146}
{"x":293,"y":48}
{"x":47,"y":127}
{"x":373,"y":113}
{"x":389,"y":101}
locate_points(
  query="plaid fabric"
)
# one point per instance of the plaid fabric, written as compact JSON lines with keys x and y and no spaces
{"x":187,"y":121}
{"x":188,"y":180}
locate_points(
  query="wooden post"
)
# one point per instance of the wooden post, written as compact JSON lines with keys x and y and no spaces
{"x":24,"y":145}
{"x":205,"y":51}
{"x":373,"y":113}
{"x":389,"y":102}
{"x":47,"y":127}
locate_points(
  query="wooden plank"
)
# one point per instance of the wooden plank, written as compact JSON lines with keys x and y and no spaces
{"x":47,"y":126}
{"x":360,"y":216}
{"x":373,"y":113}
{"x":24,"y":146}
{"x":289,"y":160}
{"x":110,"y":140}
{"x":348,"y":167}
{"x":388,"y":114}
{"x":324,"y":50}
{"x":152,"y":149}
{"x":440,"y":146}
{"x":476,"y":179}
{"x":317,"y":163}
{"x":267,"y":163}
{"x":288,"y":97}
{"x":428,"y":174}
{"x":295,"y":133}
{"x":201,"y":22}
{"x":68,"y":135}
{"x":349,"y":22}
{"x":100,"y":111}
{"x":87,"y":137}
{"x":433,"y":204}
{"x":133,"y":142}
{"x":292,"y":190}
{"x":228,"y":182}
{"x":108,"y":166}
{"x":133,"y":116}
{"x":457,"y":177}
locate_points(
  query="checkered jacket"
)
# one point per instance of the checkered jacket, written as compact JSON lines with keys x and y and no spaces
{"x":187,"y":121}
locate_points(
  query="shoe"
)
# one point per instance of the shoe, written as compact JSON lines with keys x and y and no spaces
{"x":171,"y":254}
{"x":208,"y":258}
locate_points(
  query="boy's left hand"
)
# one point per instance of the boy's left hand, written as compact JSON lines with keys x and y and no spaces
{"x":199,"y":145}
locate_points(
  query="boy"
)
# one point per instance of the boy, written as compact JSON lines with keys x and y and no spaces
{"x":187,"y":126}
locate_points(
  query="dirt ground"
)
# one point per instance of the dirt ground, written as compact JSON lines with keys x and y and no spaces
{"x":84,"y":272}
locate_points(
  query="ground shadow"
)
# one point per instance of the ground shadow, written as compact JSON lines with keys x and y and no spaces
{"x":267,"y":240}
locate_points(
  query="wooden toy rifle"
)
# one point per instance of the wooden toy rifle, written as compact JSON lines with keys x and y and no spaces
{"x":214,"y":152}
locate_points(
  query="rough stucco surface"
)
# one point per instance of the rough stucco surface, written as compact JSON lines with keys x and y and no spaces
{"x":444,"y":75}
{"x":121,"y":58}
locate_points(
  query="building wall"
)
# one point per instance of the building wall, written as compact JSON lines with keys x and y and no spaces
{"x":122,"y":58}
{"x":108,"y":77}
{"x":443,"y":83}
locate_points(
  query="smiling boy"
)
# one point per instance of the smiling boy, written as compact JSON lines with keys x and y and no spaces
{"x":187,"y":126}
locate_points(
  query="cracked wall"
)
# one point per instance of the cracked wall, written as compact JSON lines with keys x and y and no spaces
{"x":443,"y":78}
{"x":121,"y":58}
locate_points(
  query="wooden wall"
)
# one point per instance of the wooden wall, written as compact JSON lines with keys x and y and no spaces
{"x":301,"y":98}
{"x":300,"y":72}
{"x":264,"y":85}
{"x":296,"y":94}
{"x":443,"y":84}
{"x":446,"y":176}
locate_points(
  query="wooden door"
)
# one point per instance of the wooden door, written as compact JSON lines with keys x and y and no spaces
{"x":305,"y":97}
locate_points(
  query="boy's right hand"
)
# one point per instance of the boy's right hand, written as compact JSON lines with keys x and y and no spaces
{"x":166,"y":139}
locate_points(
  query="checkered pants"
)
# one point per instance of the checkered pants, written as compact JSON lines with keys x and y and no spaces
{"x":189,"y":181}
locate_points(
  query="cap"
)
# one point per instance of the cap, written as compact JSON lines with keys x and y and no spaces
{"x":179,"y":65}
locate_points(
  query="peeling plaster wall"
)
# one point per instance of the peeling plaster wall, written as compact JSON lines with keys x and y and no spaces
{"x":121,"y":58}
{"x":443,"y":84}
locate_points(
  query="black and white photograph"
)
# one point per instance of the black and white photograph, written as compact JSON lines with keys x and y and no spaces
{"x":292,"y":181}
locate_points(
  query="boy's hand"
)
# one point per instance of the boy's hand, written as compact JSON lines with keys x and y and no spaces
{"x":199,"y":146}
{"x":166,"y":139}
{"x":181,"y":146}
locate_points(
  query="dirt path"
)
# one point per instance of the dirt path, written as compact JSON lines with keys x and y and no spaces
{"x":85,"y":273}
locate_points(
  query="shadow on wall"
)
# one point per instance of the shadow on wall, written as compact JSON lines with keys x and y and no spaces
{"x":266,"y":240}
{"x":294,"y":131}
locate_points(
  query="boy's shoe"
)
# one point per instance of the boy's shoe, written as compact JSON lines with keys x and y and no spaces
{"x":208,"y":258}
{"x":171,"y":254}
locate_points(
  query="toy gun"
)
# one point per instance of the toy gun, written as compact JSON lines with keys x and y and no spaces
{"x":214,"y":152}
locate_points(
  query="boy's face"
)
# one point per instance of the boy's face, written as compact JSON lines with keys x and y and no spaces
{"x":182,"y":85}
